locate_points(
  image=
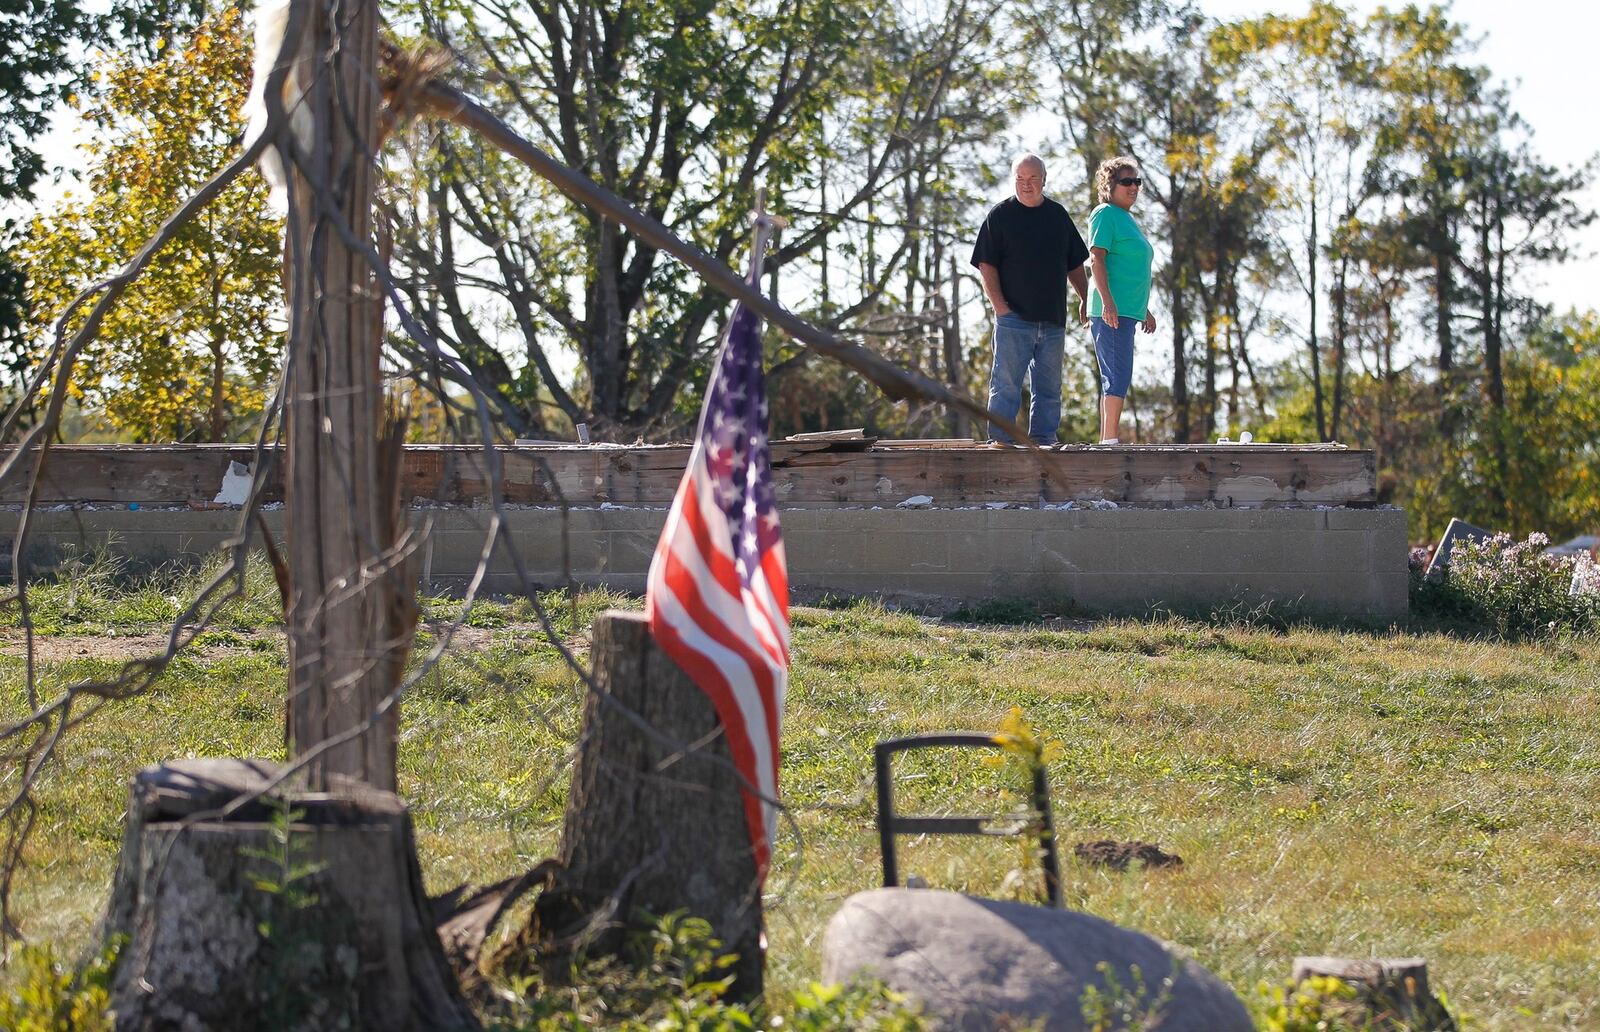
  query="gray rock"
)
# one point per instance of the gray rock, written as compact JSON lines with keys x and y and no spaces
{"x":973,"y":963}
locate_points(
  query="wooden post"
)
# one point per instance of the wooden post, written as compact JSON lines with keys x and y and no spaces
{"x":349,"y":616}
{"x":649,"y":825}
{"x":350,"y":943}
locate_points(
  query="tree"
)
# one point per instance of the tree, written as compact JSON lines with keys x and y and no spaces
{"x":40,"y":68}
{"x":1307,"y":77}
{"x":1089,"y":48}
{"x":1430,"y":122}
{"x":684,"y":109}
{"x":188,"y":352}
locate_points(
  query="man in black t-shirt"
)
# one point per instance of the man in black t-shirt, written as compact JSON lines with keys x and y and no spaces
{"x":1028,"y":251}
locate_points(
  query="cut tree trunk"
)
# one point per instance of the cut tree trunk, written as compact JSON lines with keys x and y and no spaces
{"x":1392,"y":995}
{"x":652,"y":824}
{"x":223,"y":932}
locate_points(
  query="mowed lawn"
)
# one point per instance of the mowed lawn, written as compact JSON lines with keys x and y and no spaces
{"x":1330,"y":792}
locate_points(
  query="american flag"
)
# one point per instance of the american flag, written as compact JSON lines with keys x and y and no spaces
{"x":718,"y":593}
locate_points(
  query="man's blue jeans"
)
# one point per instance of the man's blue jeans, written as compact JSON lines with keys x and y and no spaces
{"x":1032,"y":350}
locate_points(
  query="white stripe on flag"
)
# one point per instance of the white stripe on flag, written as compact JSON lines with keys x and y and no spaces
{"x":741,"y":684}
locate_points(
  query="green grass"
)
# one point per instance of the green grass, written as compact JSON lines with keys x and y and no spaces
{"x":1331,"y":791}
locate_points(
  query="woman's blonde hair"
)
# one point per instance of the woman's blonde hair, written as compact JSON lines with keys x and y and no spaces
{"x":1109,"y":172}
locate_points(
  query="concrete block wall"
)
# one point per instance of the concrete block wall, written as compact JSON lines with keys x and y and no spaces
{"x":1349,"y":562}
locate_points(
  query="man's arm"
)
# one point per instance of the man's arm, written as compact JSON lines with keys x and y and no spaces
{"x":991,"y":287}
{"x":1079,"y":281}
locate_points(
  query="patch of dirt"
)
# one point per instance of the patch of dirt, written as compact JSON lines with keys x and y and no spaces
{"x":476,"y":639}
{"x":1118,"y":855}
{"x":58,"y":648}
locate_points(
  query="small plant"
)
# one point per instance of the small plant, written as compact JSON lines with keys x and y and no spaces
{"x":1318,"y":1004}
{"x":867,"y":1005}
{"x":292,"y":957}
{"x":1512,"y":589}
{"x":1124,"y":1008}
{"x":1023,"y":745}
{"x":671,"y":975}
{"x":50,"y":998}
{"x":1323,"y":1003}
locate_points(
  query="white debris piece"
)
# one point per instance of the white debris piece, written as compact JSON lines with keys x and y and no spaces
{"x":1585,"y":575}
{"x":916,"y":502}
{"x":235,"y":485}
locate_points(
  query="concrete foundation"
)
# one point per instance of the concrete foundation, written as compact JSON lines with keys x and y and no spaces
{"x":1337,"y":562}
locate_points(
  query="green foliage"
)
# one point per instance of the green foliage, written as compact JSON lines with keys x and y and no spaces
{"x":672,"y":977}
{"x":97,"y":590}
{"x":187,"y":352}
{"x":1539,"y":456}
{"x":48,"y":997}
{"x":1314,"y":1005}
{"x":867,"y":1005}
{"x":1513,"y":590}
{"x":295,"y":981}
{"x":1325,"y":1004}
{"x":1124,"y":1008}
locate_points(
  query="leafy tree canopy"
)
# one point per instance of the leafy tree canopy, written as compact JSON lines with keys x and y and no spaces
{"x":187,"y":352}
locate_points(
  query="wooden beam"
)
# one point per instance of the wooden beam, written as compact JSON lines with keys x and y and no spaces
{"x":809,"y":474}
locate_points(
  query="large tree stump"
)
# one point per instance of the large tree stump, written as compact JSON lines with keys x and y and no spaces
{"x":649,"y":825}
{"x":349,"y":945}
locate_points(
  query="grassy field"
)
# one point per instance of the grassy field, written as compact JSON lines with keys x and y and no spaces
{"x":1330,"y":791}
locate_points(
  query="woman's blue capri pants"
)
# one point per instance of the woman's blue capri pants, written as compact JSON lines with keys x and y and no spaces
{"x":1114,"y":349}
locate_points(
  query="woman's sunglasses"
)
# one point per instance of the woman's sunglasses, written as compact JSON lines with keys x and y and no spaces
{"x":1130,"y":181}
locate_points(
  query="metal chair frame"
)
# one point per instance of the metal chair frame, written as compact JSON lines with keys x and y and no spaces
{"x":891,"y":824}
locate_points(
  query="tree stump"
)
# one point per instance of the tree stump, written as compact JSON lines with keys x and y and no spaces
{"x":649,"y":826}
{"x":263,"y":922}
{"x":1391,"y":994}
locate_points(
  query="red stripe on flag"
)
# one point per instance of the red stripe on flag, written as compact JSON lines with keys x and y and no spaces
{"x":681,"y":579}
{"x":703,"y":613}
{"x":710,"y":679}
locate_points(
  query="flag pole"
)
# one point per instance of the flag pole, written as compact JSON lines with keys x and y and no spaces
{"x":766,"y":226}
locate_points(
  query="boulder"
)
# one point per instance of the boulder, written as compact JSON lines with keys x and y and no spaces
{"x":978,"y":964}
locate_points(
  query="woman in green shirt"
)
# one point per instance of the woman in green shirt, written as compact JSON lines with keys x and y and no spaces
{"x":1120,"y":296}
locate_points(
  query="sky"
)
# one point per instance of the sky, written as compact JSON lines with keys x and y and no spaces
{"x":1545,"y":53}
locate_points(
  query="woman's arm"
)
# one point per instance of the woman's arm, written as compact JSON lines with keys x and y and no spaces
{"x":1102,"y":283}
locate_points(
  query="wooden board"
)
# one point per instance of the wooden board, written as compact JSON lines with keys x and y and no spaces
{"x":811,"y":474}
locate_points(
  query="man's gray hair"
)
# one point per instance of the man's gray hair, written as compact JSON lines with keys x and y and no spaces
{"x":1028,"y":157}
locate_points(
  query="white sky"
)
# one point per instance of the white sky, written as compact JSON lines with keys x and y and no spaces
{"x":1545,"y":52}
